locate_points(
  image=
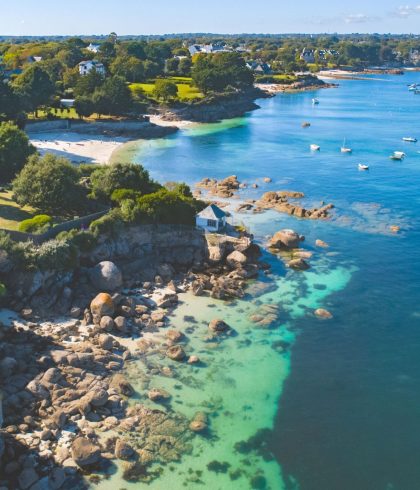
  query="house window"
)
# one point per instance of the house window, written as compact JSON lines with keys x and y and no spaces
{"x":212,"y":223}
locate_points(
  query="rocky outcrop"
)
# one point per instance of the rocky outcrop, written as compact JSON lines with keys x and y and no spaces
{"x":213,"y":109}
{"x":286,"y":239}
{"x":221,"y":188}
{"x":279,"y":201}
{"x":139,"y":252}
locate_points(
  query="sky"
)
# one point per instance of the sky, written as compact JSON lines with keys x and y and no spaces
{"x":87,"y":17}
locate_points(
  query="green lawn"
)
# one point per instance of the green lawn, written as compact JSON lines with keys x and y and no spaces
{"x":285,"y":78}
{"x":11,"y":214}
{"x":186,"y":91}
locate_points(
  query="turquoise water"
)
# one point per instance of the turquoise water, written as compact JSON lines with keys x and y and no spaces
{"x":343,"y":403}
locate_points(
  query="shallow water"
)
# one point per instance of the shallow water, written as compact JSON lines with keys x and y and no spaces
{"x":344,"y":401}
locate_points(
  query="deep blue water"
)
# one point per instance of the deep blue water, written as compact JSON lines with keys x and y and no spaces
{"x":349,"y":415}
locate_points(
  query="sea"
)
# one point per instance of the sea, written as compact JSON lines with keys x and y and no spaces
{"x":305,"y":403}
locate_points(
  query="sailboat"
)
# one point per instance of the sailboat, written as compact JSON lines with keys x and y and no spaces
{"x":344,"y":148}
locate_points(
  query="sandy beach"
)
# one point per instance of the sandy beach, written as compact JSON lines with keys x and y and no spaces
{"x":76,"y":147}
{"x":181,"y":124}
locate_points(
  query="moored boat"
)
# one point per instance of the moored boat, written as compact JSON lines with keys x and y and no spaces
{"x":344,"y":148}
{"x":315,"y":147}
{"x":315,"y":101}
{"x":363,"y":166}
{"x":409,"y":139}
{"x":397,"y":155}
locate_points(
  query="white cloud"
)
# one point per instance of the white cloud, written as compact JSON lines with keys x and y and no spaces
{"x":357,"y":18}
{"x":407,"y":10}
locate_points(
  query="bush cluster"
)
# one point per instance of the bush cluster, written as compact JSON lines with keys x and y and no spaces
{"x":38,"y":224}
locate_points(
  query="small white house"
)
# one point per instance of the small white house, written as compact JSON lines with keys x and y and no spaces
{"x":93,"y":48}
{"x":212,"y":218}
{"x":86,"y":67}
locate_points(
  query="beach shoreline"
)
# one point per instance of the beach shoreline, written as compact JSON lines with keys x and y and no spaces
{"x":78,"y":148}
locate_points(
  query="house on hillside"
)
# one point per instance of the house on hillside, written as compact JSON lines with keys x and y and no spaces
{"x":259,"y":67}
{"x":308,"y":55}
{"x":209,"y":48}
{"x":414,"y":56}
{"x":86,"y":67}
{"x":211,"y":219}
{"x":93,"y":48}
{"x":34,"y":59}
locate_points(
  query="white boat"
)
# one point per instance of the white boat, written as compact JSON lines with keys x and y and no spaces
{"x":412,"y":87}
{"x":344,"y":148}
{"x":409,"y":139}
{"x":397,"y":155}
{"x":315,"y":101}
{"x":315,"y":147}
{"x":362,"y":166}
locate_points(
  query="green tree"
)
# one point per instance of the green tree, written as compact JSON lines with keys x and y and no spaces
{"x":114,"y":97}
{"x":128,"y":67}
{"x":184,"y":67}
{"x":35,"y":86}
{"x":105,"y":180}
{"x":167,"y":207}
{"x":87,"y":84}
{"x":50,"y":184}
{"x":70,"y":56}
{"x":165,"y":89}
{"x":10,"y":102}
{"x":84,"y":105}
{"x":217,"y":72}
{"x":136,"y":48}
{"x":14,"y":151}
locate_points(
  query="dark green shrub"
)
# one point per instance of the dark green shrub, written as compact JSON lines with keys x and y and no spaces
{"x":56,"y":255}
{"x":120,"y":195}
{"x":167,"y":207}
{"x":108,"y":178}
{"x":112,"y":223}
{"x":38,"y":224}
{"x":84,"y":241}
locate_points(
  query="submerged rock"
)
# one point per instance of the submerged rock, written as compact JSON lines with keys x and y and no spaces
{"x":176,"y":353}
{"x":298,"y":264}
{"x":174,"y":336}
{"x":199,"y":423}
{"x":322,"y":313}
{"x":123,"y":450}
{"x":156,"y":394}
{"x":218,"y":326}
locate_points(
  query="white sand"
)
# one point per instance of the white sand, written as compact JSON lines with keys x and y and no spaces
{"x":77,"y":147}
{"x":157,"y":119}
